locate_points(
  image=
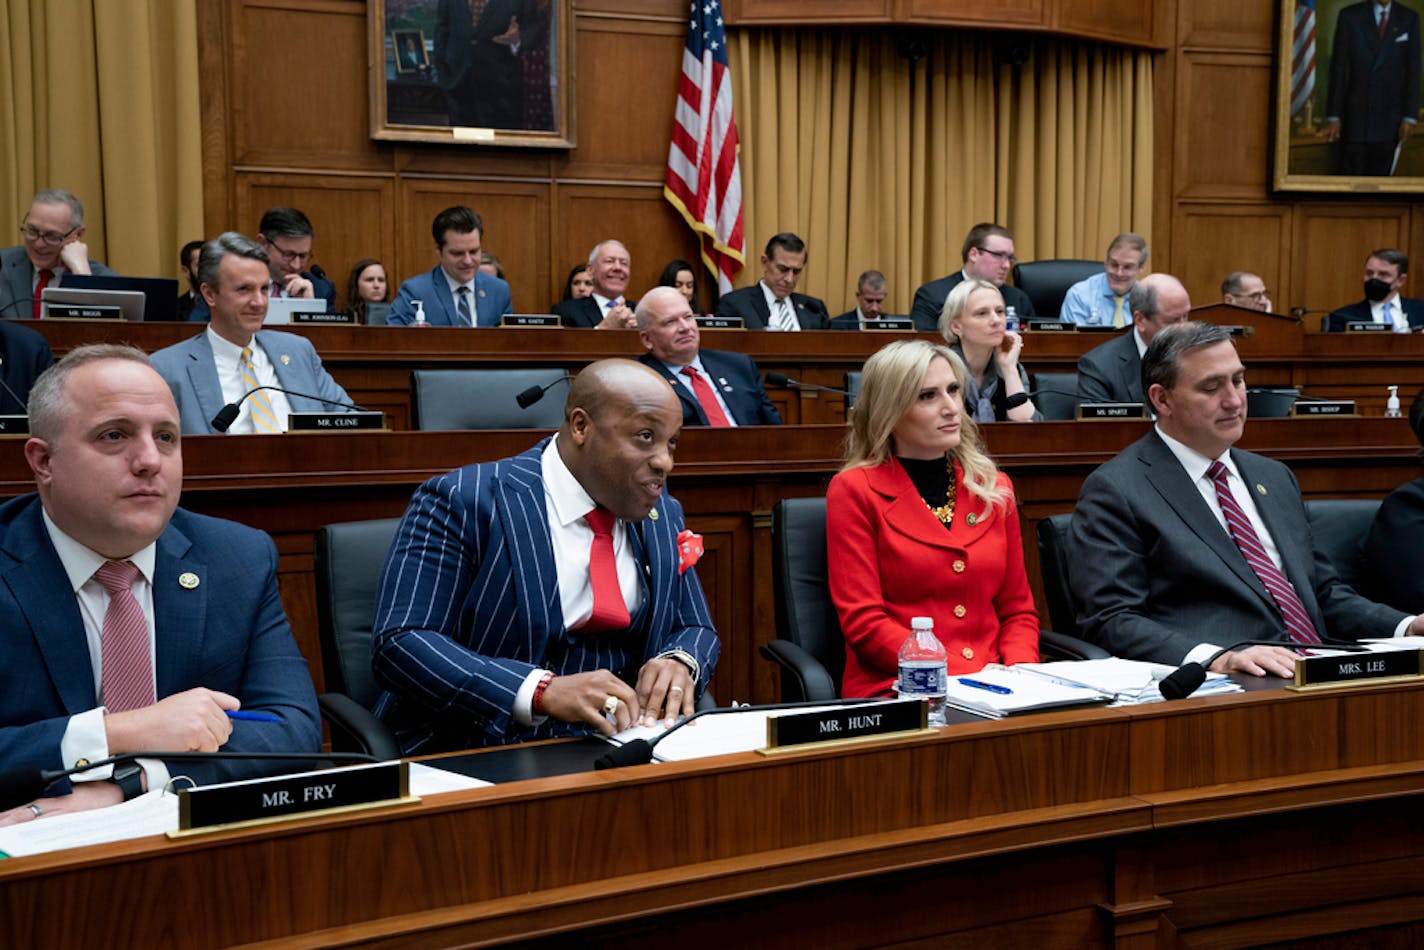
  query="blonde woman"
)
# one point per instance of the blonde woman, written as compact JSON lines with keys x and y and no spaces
{"x":972,"y":323}
{"x":920,"y":522}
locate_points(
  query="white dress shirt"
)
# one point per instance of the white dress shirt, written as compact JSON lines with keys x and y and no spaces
{"x":228,"y":359}
{"x":1396,"y":313}
{"x":470,"y":293}
{"x":782,"y":311}
{"x":712,"y":383}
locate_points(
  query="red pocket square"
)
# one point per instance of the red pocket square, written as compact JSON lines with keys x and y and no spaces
{"x":689,"y":550}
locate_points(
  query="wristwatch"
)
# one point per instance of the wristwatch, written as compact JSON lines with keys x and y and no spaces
{"x":129,"y":779}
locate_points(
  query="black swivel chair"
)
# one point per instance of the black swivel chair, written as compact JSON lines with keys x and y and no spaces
{"x":1339,"y":526}
{"x":852,"y":388}
{"x":1053,"y":564}
{"x":1047,"y":282}
{"x":1056,"y":395}
{"x":809,"y":645}
{"x":348,"y":561}
{"x":1270,"y":403}
{"x":484,"y":399}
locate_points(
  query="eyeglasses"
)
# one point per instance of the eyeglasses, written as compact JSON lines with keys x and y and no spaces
{"x":46,"y":238}
{"x":1258,"y":296}
{"x":287,"y":255}
{"x":1004,"y":256}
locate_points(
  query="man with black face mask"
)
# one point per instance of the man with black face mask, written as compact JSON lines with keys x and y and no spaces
{"x":1385,"y":273}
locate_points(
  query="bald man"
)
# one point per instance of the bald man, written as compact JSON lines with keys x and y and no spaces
{"x":1113,"y":372}
{"x":546,"y":594}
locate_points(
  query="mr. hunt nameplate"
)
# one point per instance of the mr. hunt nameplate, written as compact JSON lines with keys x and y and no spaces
{"x":312,"y":316}
{"x":721,"y":323}
{"x":14,"y":425}
{"x":890,"y":324}
{"x":1323,"y":407}
{"x":1050,"y":326}
{"x":542,"y":321}
{"x":1358,"y":667}
{"x":847,"y":722}
{"x":73,"y":311}
{"x":287,"y":796}
{"x":1368,"y":326}
{"x":335,"y":421}
{"x":1111,"y":410}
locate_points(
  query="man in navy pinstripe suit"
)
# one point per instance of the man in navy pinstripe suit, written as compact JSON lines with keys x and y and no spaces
{"x":482,"y":634}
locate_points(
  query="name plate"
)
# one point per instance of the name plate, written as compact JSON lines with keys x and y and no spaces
{"x":1357,"y":667}
{"x":311,"y":316}
{"x":847,"y":722}
{"x":721,"y":323}
{"x":1050,"y":326}
{"x":1111,"y":410}
{"x":335,"y":421}
{"x":1323,"y":407}
{"x":547,"y":321}
{"x":71,"y":311}
{"x":890,"y":324}
{"x":291,"y":796}
{"x":1237,"y":330}
{"x":1368,"y":326}
{"x":14,"y":425}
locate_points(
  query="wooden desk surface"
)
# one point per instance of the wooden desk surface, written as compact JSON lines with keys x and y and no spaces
{"x":1265,"y":817}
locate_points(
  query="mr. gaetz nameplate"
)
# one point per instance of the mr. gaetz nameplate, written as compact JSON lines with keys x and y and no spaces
{"x":847,"y":722}
{"x":543,"y":321}
{"x":289,"y":796}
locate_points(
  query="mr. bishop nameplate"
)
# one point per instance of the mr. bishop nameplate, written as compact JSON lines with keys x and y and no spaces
{"x":291,"y":795}
{"x":335,"y":421}
{"x":847,"y":722}
{"x":1323,"y":407}
{"x":1358,"y":667}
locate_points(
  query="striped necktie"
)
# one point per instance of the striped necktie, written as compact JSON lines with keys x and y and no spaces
{"x":263,"y":416}
{"x":126,"y":681}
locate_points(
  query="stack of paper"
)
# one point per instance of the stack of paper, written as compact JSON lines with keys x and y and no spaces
{"x":1129,"y":682}
{"x":999,"y":691}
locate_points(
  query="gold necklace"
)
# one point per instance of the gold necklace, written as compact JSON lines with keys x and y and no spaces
{"x":945,"y":512}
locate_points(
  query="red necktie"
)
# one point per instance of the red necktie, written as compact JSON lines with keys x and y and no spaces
{"x":127,"y":678}
{"x":609,"y":610}
{"x":1298,"y":623}
{"x":46,"y":275}
{"x":1383,"y":20}
{"x":706,"y":398}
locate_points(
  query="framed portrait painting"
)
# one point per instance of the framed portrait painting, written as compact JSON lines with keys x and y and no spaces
{"x":485,"y":72}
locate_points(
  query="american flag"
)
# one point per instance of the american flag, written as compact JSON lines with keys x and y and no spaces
{"x":704,"y":179}
{"x":1303,"y":56}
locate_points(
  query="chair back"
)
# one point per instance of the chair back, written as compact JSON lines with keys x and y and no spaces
{"x":348,"y":561}
{"x":483,"y":399}
{"x":1270,"y":403}
{"x":1053,"y":564}
{"x":1047,"y":282}
{"x":852,"y":388}
{"x":1339,"y":526}
{"x":805,"y":614}
{"x":1056,"y":395}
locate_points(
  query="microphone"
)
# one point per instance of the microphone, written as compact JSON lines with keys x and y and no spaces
{"x":640,"y":751}
{"x":17,"y":301}
{"x":228,"y":414}
{"x":1185,"y":679}
{"x":536,"y":392}
{"x":1298,"y":314}
{"x":783,"y":381}
{"x":317,"y":271}
{"x":24,"y":407}
{"x":23,"y":785}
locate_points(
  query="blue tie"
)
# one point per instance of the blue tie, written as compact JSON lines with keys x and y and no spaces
{"x":463,"y":305}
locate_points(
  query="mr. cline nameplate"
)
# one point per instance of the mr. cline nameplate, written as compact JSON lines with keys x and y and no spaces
{"x":847,"y":722}
{"x":292,"y":795}
{"x":1358,"y":667}
{"x":335,"y":421}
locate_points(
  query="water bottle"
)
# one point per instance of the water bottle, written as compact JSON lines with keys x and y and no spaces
{"x":922,"y":668}
{"x":1011,"y":319}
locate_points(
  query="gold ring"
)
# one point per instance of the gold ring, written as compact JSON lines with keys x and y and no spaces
{"x":675,"y":689}
{"x":610,"y":705}
{"x":37,"y":810}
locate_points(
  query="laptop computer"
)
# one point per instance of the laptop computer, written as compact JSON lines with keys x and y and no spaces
{"x":160,"y":293}
{"x":129,"y":302}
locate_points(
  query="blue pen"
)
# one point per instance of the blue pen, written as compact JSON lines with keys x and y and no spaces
{"x":252,"y":716}
{"x":980,"y":684}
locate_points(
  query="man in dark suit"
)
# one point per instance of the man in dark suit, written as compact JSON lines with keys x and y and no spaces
{"x":133,"y":626}
{"x":1113,"y":372}
{"x":478,"y":63}
{"x":870,"y":292}
{"x":715,"y":387}
{"x":53,"y":246}
{"x":1182,"y":544}
{"x":1386,"y":271}
{"x":610,"y":265}
{"x":1373,"y":99}
{"x":772,"y":303}
{"x":188,"y":263}
{"x":24,"y":354}
{"x":455,"y":293}
{"x":551,"y":593}
{"x":988,"y":254}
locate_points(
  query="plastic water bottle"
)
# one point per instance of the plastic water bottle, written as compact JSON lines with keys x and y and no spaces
{"x":1011,"y":319}
{"x":1391,"y":406}
{"x":420,"y":314}
{"x":922,"y":668}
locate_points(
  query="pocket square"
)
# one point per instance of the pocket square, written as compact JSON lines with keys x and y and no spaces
{"x":1402,"y":38}
{"x":689,"y":550}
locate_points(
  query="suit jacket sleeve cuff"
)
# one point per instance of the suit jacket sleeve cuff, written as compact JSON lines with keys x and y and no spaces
{"x":523,"y":712}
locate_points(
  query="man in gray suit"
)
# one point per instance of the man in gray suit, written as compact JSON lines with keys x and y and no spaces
{"x":1182,"y":544}
{"x":234,"y":355}
{"x":1113,"y":372}
{"x":53,"y":246}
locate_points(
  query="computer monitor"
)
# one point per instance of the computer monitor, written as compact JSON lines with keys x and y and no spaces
{"x":129,"y":302}
{"x":160,"y":293}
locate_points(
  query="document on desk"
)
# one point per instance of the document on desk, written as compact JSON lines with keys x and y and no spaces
{"x":1131,"y":682}
{"x":722,"y":733}
{"x":999,"y":691}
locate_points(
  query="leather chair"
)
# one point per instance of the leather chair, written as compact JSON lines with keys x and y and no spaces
{"x":1056,"y":395}
{"x":1339,"y":526}
{"x":1053,"y":565}
{"x":348,"y":559}
{"x":484,"y":399}
{"x":1270,"y":403}
{"x":1047,"y":282}
{"x":852,"y":388}
{"x":809,"y":645}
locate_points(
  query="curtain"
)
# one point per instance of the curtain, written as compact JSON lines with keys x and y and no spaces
{"x":879,"y":160}
{"x":100,"y":98}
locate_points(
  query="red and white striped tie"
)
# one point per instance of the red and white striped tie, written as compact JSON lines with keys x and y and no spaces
{"x":127,"y":679}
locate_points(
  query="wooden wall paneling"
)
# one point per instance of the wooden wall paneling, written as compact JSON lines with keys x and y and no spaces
{"x":1164,"y":144}
{"x":1211,"y":240}
{"x":216,"y":39}
{"x":753,"y":12}
{"x":299,"y":85}
{"x":1226,"y":24}
{"x":353,"y":215}
{"x":1223,"y":121}
{"x":1118,"y":21}
{"x":1331,"y":242}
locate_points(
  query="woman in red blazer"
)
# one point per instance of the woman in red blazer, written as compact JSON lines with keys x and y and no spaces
{"x":920,"y":522}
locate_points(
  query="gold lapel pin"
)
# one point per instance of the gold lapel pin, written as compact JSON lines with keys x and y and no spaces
{"x":188,"y":580}
{"x":653,"y":515}
{"x":286,"y":360}
{"x":1260,"y":488}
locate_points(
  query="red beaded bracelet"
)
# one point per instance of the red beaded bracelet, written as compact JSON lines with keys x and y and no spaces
{"x":537,"y":706}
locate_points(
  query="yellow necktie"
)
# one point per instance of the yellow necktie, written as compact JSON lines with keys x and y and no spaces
{"x":263,"y":417}
{"x":1117,"y":312}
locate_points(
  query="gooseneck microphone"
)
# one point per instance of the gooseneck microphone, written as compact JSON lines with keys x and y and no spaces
{"x":228,"y":414}
{"x":23,"y":785}
{"x":1187,"y":678}
{"x":24,"y":407}
{"x":781,"y":380}
{"x":536,"y":392}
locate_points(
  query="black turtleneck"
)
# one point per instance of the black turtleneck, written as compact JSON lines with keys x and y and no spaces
{"x":931,"y":478}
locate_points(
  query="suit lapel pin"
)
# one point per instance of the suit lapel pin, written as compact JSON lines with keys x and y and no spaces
{"x":286,"y":360}
{"x":1261,"y":488}
{"x":653,"y":514}
{"x":480,"y":293}
{"x":972,"y":519}
{"x":188,"y":580}
{"x":725,"y":387}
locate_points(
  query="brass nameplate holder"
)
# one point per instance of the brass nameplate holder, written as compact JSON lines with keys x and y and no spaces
{"x":314,"y":317}
{"x":1368,"y":326}
{"x":1323,"y":407}
{"x":15,"y":425}
{"x":72,"y":311}
{"x":1049,"y":326}
{"x":1111,"y":410}
{"x":711,"y":322}
{"x":335,"y":421}
{"x":894,"y":324}
{"x":845,"y":725}
{"x":1357,"y":669}
{"x":286,"y":797}
{"x":538,"y":321}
